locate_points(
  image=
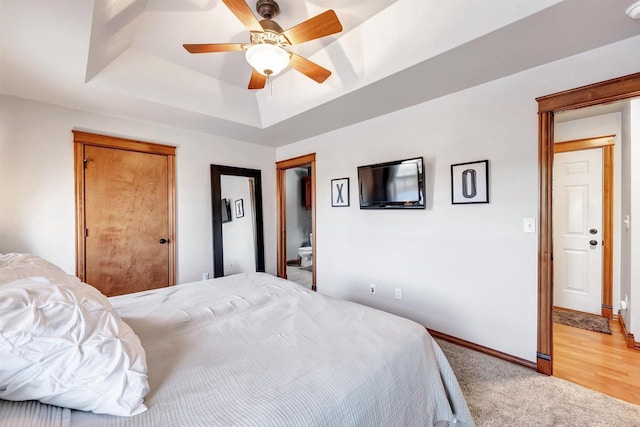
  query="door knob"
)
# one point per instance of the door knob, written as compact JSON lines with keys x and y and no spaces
{"x":593,"y":242}
{"x":163,"y":241}
{"x":593,"y":231}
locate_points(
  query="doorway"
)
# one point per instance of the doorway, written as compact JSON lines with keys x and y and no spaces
{"x":295,"y":188}
{"x":125,"y":213}
{"x":622,"y":88}
{"x":583,"y":173}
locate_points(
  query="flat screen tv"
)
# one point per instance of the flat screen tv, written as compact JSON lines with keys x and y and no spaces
{"x":392,"y":185}
{"x":226,"y":210}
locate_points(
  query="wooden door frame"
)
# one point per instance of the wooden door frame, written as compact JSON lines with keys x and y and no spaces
{"x":606,"y":144}
{"x":281,"y":170}
{"x":586,"y":96}
{"x":82,"y":139}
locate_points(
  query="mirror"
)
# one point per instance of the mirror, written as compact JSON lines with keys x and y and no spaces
{"x":236,"y":203}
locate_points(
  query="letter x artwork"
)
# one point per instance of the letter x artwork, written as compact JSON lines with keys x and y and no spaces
{"x":340,"y":192}
{"x":470,"y":182}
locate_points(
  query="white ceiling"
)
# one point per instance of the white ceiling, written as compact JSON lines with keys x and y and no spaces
{"x":125,"y":57}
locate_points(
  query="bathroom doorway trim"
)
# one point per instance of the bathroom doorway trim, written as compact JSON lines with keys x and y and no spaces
{"x":308,"y":160}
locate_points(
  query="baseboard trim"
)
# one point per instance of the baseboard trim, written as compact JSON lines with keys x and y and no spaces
{"x":483,"y":349}
{"x":629,"y":338}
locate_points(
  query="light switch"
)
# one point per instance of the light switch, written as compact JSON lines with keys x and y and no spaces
{"x":529,"y":225}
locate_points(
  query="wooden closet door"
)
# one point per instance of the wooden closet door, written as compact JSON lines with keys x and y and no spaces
{"x":126,"y":220}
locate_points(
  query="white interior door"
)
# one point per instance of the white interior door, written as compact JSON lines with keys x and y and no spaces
{"x":577,"y":230}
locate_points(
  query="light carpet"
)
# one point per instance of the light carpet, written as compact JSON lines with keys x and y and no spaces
{"x":501,"y":393}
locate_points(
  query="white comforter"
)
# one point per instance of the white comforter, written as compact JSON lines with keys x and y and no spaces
{"x":255,"y":350}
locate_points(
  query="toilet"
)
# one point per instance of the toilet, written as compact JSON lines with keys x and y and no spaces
{"x":305,"y":254}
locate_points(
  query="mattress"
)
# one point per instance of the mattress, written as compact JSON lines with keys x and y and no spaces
{"x":256,"y":350}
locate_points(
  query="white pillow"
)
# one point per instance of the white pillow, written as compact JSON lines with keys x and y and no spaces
{"x":16,"y":266}
{"x":62,"y":343}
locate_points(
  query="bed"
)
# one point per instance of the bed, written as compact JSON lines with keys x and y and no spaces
{"x":257,"y":350}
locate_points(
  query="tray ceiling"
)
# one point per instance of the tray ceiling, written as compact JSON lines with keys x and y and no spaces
{"x":125,"y":57}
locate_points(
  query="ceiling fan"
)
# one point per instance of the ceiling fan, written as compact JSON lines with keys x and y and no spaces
{"x":268,"y":50}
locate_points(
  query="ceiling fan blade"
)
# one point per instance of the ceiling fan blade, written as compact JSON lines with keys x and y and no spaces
{"x":217,"y":47}
{"x":325,"y":24}
{"x":243,"y":12}
{"x":308,"y":68}
{"x":257,"y":80}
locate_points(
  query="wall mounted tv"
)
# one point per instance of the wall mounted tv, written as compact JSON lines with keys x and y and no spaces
{"x":392,"y":185}
{"x":226,"y":210}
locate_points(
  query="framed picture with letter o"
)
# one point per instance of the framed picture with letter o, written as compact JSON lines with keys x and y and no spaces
{"x":340,"y":192}
{"x":470,"y":182}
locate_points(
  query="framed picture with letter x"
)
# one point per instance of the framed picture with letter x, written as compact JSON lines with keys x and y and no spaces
{"x":239,"y":208}
{"x":340,"y":192}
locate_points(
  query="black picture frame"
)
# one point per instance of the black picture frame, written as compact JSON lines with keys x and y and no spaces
{"x":470,"y":182}
{"x":239,"y":208}
{"x":340,"y":192}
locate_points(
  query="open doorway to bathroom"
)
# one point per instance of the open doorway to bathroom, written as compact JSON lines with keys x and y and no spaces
{"x":296,"y":220}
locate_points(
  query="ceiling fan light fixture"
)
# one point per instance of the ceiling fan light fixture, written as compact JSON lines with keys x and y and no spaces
{"x":267,"y":59}
{"x":634,"y":10}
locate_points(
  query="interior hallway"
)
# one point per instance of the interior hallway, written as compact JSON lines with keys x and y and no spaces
{"x":597,"y":361}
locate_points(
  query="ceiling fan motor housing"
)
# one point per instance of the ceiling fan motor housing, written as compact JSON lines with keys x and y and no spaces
{"x":268,"y":9}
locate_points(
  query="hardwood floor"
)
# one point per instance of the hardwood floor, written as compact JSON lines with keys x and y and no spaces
{"x":597,"y":361}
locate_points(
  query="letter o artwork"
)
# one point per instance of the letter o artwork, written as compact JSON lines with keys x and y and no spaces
{"x":470,"y":182}
{"x":469,"y":190}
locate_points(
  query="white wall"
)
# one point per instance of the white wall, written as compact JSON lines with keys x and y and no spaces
{"x":238,"y":234}
{"x":606,"y":124}
{"x":625,"y":211}
{"x":465,"y":270}
{"x":37,"y":184}
{"x":633,"y":317}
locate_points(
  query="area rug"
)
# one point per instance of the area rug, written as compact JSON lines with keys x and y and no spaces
{"x":590,"y":322}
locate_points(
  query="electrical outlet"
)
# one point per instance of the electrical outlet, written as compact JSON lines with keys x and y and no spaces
{"x":205,"y":276}
{"x":398,"y":293}
{"x":372,"y":289}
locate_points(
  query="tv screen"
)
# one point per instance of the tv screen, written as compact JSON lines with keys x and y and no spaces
{"x":398,"y":184}
{"x":226,"y":210}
